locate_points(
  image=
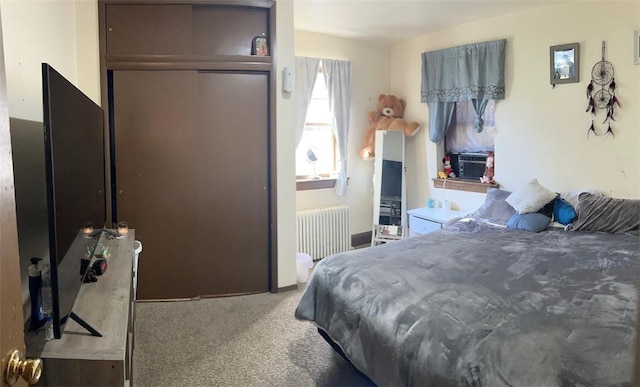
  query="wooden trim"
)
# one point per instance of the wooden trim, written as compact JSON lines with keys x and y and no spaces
{"x":189,"y":62}
{"x":287,"y":288}
{"x":188,"y":58}
{"x":308,"y":184}
{"x":463,"y":185}
{"x":226,"y":66}
{"x":229,"y":3}
{"x":273,"y":167}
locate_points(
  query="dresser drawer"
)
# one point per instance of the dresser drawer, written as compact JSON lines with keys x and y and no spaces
{"x":418,"y":226}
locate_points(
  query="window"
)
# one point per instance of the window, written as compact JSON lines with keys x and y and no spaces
{"x":316,"y":152}
{"x":462,"y":136}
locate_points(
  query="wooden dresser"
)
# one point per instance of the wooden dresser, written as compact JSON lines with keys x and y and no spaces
{"x":79,"y":359}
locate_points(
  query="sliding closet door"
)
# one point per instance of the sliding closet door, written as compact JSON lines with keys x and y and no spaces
{"x":191,"y":160}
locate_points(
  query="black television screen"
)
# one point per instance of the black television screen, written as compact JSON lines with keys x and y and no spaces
{"x":391,"y":178}
{"x":75,"y":176}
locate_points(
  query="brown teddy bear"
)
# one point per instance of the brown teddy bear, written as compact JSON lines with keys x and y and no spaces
{"x":388,"y":116}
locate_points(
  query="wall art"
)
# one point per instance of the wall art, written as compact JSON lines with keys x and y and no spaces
{"x":564,"y":63}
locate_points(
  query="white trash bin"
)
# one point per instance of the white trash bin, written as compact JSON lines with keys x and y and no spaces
{"x":137,"y":249}
{"x":304,"y":263}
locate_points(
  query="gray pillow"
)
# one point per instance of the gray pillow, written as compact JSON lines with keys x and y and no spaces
{"x":494,"y":209}
{"x":602,"y":213}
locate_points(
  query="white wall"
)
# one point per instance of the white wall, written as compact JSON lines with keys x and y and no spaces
{"x":541,"y":131}
{"x":88,"y":48}
{"x":63,"y":33}
{"x":370,"y":75}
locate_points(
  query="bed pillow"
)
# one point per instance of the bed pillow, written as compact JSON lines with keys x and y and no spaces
{"x":532,"y":222}
{"x":563,"y":212}
{"x":602,"y":213}
{"x":494,"y":209}
{"x":530,"y":197}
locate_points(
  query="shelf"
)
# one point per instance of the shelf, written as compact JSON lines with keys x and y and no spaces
{"x":189,"y":62}
{"x":463,"y":185}
{"x":188,"y":58}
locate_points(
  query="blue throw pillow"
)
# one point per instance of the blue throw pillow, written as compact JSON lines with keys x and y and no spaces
{"x":563,"y":212}
{"x":532,"y":222}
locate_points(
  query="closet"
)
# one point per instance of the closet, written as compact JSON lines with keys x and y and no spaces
{"x":191,"y":133}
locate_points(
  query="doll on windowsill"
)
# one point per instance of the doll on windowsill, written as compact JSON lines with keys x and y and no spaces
{"x":448,"y":169}
{"x":487,"y":177}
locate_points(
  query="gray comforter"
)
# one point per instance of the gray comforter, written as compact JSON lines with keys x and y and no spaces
{"x":479,"y":305}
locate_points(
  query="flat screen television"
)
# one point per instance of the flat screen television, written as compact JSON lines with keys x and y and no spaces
{"x":391,"y":185}
{"x":75,"y":186}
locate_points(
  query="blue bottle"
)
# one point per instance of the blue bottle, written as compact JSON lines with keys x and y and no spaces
{"x":35,"y":284}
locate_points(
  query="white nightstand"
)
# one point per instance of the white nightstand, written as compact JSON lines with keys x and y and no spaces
{"x":424,"y":220}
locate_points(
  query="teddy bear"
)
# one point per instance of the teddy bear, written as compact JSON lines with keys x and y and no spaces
{"x":487,"y":177}
{"x":448,"y":169}
{"x":388,"y":116}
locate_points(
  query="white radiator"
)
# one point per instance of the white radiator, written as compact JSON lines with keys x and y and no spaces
{"x":323,"y":231}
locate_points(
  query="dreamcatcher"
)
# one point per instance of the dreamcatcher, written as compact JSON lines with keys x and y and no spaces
{"x":602,"y":74}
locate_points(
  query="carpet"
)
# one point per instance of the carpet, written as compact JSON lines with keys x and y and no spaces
{"x":251,"y":340}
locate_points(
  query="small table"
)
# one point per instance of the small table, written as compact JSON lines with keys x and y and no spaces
{"x":425,"y":220}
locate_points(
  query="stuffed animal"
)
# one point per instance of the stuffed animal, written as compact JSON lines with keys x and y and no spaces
{"x":448,"y":170}
{"x":487,"y":177}
{"x":388,"y":116}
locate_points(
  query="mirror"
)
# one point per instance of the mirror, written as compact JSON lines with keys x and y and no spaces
{"x":312,"y":158}
{"x":389,"y":184}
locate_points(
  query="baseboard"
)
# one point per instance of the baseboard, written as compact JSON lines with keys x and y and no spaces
{"x":360,"y":239}
{"x":287,"y":288}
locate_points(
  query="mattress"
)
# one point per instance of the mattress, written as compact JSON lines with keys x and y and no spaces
{"x":481,"y":305}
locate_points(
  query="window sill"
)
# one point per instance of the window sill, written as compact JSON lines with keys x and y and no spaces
{"x":462,"y":185}
{"x":308,"y":184}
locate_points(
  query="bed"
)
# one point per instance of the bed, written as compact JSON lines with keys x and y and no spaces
{"x":481,"y":304}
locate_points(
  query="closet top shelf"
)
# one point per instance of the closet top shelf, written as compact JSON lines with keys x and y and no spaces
{"x":188,"y":62}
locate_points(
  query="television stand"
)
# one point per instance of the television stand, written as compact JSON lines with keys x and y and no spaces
{"x":81,"y":358}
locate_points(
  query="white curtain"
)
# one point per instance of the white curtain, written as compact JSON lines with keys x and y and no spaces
{"x":305,"y":74}
{"x":337,"y":75}
{"x":462,"y":136}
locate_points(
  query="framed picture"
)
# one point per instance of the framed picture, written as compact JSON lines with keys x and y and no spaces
{"x":564,"y":64}
{"x":636,"y":47}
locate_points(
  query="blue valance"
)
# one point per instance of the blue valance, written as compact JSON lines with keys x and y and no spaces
{"x":473,"y":72}
{"x":463,"y":73}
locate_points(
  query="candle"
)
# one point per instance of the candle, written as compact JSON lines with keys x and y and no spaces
{"x":88,"y":228}
{"x":123,"y":228}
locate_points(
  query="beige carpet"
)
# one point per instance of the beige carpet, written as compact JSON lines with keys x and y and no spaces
{"x":236,"y":341}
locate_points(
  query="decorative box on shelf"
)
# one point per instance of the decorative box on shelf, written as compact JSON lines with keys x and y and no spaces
{"x":425,"y":220}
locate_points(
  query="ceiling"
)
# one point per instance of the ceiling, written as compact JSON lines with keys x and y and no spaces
{"x":394,"y":21}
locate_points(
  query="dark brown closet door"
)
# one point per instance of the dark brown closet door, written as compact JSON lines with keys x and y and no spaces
{"x":191,"y":156}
